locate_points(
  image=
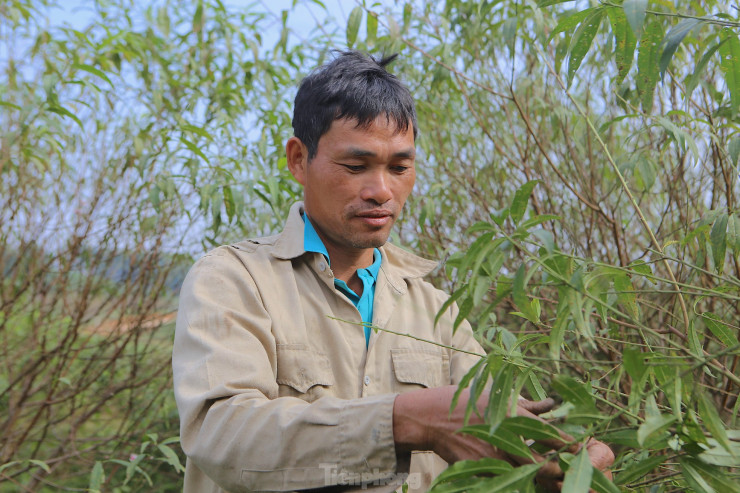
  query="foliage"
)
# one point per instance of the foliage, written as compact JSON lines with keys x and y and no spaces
{"x":578,"y":170}
{"x":126,"y":146}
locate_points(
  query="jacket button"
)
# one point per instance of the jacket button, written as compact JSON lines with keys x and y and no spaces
{"x":367,"y":380}
{"x":322,"y":266}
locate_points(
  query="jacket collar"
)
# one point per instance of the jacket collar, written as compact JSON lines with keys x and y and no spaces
{"x":398,"y":264}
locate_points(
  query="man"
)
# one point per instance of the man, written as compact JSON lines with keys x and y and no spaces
{"x":278,"y":384}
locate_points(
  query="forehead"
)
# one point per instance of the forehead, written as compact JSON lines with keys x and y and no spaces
{"x":381,"y":130}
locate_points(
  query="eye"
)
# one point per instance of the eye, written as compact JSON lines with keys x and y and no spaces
{"x":355,"y":168}
{"x":400,"y":168}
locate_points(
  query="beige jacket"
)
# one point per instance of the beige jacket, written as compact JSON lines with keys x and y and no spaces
{"x":275,"y":394}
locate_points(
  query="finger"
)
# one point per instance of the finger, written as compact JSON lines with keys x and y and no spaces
{"x":566,"y":443}
{"x":537,"y":407}
{"x":550,"y":466}
{"x":600,"y":454}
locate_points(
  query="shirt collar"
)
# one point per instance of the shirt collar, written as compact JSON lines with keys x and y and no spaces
{"x":312,"y":243}
{"x":289,"y":244}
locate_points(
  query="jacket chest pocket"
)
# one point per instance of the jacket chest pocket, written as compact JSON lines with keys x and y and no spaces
{"x":303,"y":372}
{"x":426,"y":368}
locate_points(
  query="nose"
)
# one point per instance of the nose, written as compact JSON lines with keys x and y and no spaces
{"x":377,"y":188}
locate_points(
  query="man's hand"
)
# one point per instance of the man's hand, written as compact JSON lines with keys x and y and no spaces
{"x":422,"y":421}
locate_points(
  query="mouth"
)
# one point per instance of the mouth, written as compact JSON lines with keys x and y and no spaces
{"x":377,"y":217}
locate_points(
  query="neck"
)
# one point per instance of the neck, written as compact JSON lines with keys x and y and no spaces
{"x":344,"y":263}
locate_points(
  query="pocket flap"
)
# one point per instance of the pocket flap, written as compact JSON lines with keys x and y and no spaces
{"x":302,"y":368}
{"x":424,"y":367}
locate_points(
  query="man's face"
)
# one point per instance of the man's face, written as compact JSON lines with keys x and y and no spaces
{"x":357,"y":183}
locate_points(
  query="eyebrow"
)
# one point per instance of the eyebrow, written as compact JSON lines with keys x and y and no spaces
{"x":357,"y":152}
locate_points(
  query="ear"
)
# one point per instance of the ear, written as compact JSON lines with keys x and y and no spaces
{"x":296,"y":153}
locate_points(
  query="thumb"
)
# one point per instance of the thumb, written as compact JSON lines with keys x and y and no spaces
{"x":537,"y":407}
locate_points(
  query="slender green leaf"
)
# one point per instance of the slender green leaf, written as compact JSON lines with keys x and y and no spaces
{"x":521,"y":199}
{"x":734,"y":150}
{"x":574,"y":392}
{"x":638,"y":469}
{"x":601,"y":484}
{"x":648,"y":55}
{"x":500,"y":396}
{"x":65,"y":112}
{"x":578,"y":476}
{"x":692,"y":476}
{"x":713,"y":475}
{"x":582,"y":39}
{"x":466,"y":468}
{"x":634,"y":10}
{"x":530,"y":428}
{"x":371,"y":28}
{"x":713,"y":422}
{"x":43,"y":465}
{"x":353,"y":25}
{"x":720,"y":330}
{"x":97,"y":476}
{"x":570,"y":22}
{"x":624,"y":51}
{"x":729,"y":52}
{"x":653,"y":426}
{"x":503,"y":439}
{"x":92,"y":70}
{"x":699,"y":69}
{"x":506,"y":483}
{"x":718,"y":237}
{"x":673,"y":38}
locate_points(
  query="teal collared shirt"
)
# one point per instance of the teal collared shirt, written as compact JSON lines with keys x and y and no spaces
{"x":368,"y":276}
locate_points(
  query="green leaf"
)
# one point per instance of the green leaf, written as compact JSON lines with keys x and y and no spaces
{"x":729,"y":52}
{"x":503,"y":439}
{"x":718,"y":237}
{"x":371,"y":28}
{"x":634,"y":364}
{"x":734,"y":150}
{"x":601,"y":484}
{"x":581,"y":42}
{"x":353,"y":25}
{"x":518,"y":292}
{"x":638,"y":469}
{"x":92,"y":70}
{"x":625,"y":291}
{"x":530,"y":428}
{"x":673,"y":39}
{"x":624,"y":51}
{"x":574,"y":392}
{"x":520,"y":201}
{"x":699,"y":69}
{"x":720,"y":330}
{"x":578,"y":476}
{"x":692,"y":476}
{"x":97,"y":476}
{"x":43,"y":465}
{"x":500,"y":396}
{"x":570,"y":22}
{"x":713,"y":422}
{"x":716,"y":478}
{"x":171,"y":457}
{"x":59,"y":110}
{"x":653,"y":425}
{"x":506,"y":483}
{"x":634,"y":10}
{"x":466,"y":468}
{"x":508,"y":32}
{"x":647,"y":63}
{"x":229,"y":204}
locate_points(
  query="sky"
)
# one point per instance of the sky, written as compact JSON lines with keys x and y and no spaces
{"x":302,"y":19}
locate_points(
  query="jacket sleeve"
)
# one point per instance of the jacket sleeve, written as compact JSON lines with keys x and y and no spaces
{"x":234,"y":426}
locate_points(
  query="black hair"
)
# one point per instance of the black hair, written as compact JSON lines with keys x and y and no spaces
{"x":353,"y":86}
